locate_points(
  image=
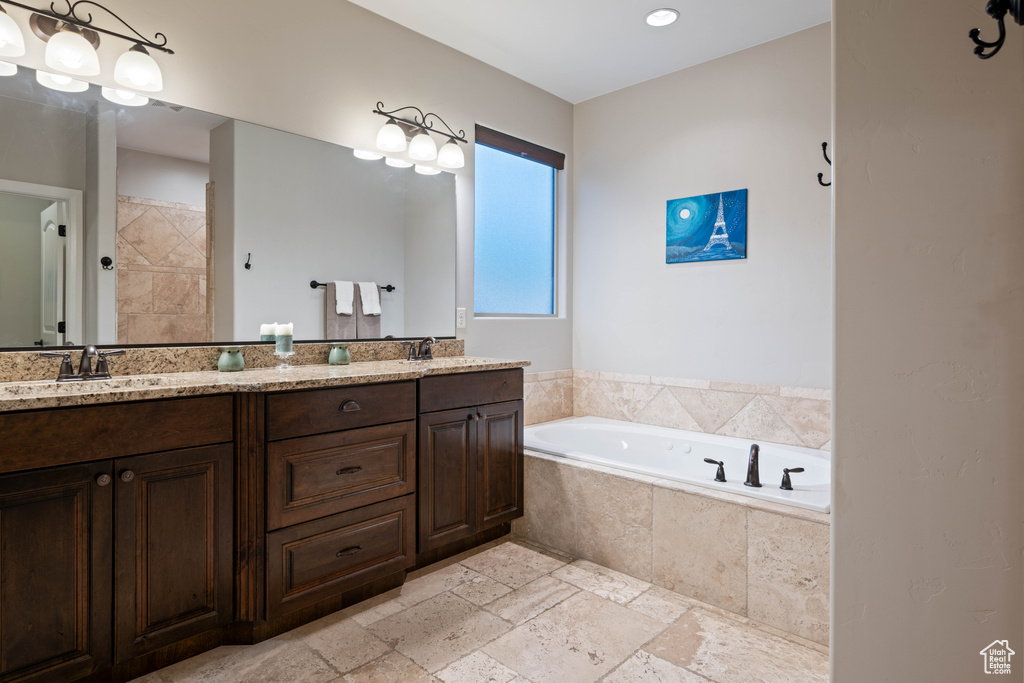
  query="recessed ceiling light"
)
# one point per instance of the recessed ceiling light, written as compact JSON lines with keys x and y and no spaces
{"x":661,"y":17}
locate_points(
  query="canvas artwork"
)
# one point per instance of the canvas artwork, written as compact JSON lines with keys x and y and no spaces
{"x":710,"y":227}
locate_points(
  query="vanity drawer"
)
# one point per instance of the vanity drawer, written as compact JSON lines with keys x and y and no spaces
{"x":444,"y":392}
{"x":317,"y":560}
{"x":59,"y":436}
{"x":302,"y":413}
{"x":322,"y":475}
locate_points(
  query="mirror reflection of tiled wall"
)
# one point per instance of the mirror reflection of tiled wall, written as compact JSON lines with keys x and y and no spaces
{"x":161,"y":272}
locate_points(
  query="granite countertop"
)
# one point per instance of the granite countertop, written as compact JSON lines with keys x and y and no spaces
{"x":49,"y":394}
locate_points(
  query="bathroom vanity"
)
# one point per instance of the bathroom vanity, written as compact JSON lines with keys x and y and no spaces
{"x":139,"y":529}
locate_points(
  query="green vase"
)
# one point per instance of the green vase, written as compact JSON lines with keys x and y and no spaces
{"x":230,"y":359}
{"x":339,"y":354}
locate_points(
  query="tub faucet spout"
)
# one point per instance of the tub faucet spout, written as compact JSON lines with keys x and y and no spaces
{"x":753,"y":472}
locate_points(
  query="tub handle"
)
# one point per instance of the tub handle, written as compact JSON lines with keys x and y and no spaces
{"x":787,"y":485}
{"x":720,"y":474}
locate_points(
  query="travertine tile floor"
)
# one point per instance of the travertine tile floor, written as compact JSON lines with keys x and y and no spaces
{"x":511,"y":612}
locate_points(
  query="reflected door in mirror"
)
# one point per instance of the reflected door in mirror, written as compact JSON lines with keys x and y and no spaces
{"x":52,"y":275}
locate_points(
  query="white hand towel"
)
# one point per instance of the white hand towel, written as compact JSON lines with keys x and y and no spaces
{"x":343,"y":297}
{"x":371,"y":298}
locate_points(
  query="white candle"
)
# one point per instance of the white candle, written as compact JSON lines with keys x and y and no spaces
{"x":270,"y":329}
{"x":284,"y":330}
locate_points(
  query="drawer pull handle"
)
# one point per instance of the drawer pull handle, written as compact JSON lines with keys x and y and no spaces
{"x":349,"y":551}
{"x":349,"y":406}
{"x":350,"y":470}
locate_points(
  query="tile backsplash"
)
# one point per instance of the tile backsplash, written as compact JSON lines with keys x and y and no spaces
{"x":790,"y":415}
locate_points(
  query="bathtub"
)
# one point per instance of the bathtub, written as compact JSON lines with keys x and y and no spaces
{"x":679,"y":455}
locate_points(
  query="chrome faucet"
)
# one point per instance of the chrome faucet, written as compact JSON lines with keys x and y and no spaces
{"x":753,"y":471}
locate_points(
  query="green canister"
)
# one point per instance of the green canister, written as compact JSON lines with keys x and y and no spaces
{"x":230,"y":359}
{"x":339,"y":354}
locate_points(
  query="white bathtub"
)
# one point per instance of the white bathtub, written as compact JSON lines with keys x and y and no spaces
{"x":679,"y":455}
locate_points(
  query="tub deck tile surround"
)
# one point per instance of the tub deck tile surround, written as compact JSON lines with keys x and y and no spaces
{"x":574,"y":635}
{"x":750,"y":557}
{"x":795,"y":416}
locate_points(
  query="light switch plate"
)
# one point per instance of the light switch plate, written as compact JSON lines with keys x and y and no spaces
{"x":460,"y":318}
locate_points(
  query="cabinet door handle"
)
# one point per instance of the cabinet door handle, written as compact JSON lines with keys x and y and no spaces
{"x":349,"y":406}
{"x":474,"y":417}
{"x":127,"y":476}
{"x":349,"y":551}
{"x":350,"y":470}
{"x":103,"y":479}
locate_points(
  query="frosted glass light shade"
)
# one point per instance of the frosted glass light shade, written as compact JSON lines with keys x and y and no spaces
{"x":423,"y":148}
{"x":125,"y":97}
{"x":391,"y":138}
{"x":12,"y":42}
{"x":366,"y":154}
{"x":8,"y":69}
{"x":135,"y":69}
{"x":450,"y":156}
{"x":69,"y":52}
{"x":427,"y":170}
{"x":61,"y":82}
{"x":397,"y":163}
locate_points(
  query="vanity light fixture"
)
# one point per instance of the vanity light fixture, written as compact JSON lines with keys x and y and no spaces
{"x":68,"y":51}
{"x":427,"y":170}
{"x":125,"y":97}
{"x":8,"y":69}
{"x":397,"y":163}
{"x":60,"y":82}
{"x":72,"y":40}
{"x":12,"y":42}
{"x":661,"y":17}
{"x":367,"y":155}
{"x":392,"y":137}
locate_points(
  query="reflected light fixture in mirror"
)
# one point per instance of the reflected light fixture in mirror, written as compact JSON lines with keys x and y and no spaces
{"x":136,"y":69}
{"x":397,"y":163}
{"x":391,"y":138}
{"x":427,"y":170}
{"x":8,"y":69}
{"x":367,"y":155}
{"x":12,"y":42}
{"x":423,"y":147}
{"x":61,"y":82}
{"x":661,"y":17}
{"x":69,"y":52}
{"x":125,"y":97}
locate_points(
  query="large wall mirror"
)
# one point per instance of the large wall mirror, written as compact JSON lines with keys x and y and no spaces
{"x":134,"y":225}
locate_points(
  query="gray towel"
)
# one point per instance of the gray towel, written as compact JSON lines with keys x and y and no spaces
{"x":367,"y":326}
{"x":338,"y":326}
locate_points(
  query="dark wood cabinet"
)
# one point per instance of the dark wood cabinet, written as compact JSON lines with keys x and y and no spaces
{"x":55,"y":573}
{"x":470,"y":458}
{"x":172,"y":547}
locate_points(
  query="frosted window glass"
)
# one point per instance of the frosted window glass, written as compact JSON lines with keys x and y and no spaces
{"x":514,"y":259}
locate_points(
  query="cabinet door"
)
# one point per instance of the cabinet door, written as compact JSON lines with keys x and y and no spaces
{"x":172,"y":547}
{"x":499,"y":463}
{"x":55,"y":568}
{"x":447,"y":477}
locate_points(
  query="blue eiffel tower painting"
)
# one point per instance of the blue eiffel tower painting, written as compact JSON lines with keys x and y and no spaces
{"x":710,"y":227}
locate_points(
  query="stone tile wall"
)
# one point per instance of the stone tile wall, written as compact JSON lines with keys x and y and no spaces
{"x":761,"y":560}
{"x":161,"y":272}
{"x":547,"y":396}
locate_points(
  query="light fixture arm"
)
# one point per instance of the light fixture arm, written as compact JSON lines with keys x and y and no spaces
{"x":997,"y":9}
{"x":421,"y":122}
{"x":84,"y":20}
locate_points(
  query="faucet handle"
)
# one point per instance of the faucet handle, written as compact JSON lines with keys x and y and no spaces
{"x":787,"y":485}
{"x":412,"y":349}
{"x":66,"y":372}
{"x":102,"y":369}
{"x":720,"y":474}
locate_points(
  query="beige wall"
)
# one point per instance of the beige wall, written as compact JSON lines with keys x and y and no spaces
{"x":754,"y":119}
{"x":319,"y":71}
{"x":929,"y":376}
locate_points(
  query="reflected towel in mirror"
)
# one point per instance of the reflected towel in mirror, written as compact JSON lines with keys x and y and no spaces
{"x":343,"y":297}
{"x":370,"y":295}
{"x":337,"y":326}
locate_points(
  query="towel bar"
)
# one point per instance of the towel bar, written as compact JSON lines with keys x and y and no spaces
{"x":313,"y":284}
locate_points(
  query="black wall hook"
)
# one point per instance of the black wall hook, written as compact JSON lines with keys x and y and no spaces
{"x":247,"y":259}
{"x":824,"y":152}
{"x":997,"y":9}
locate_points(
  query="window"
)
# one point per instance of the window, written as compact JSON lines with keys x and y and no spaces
{"x":514,"y":253}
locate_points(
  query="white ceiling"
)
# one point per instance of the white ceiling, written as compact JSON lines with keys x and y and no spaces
{"x":579,"y":49}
